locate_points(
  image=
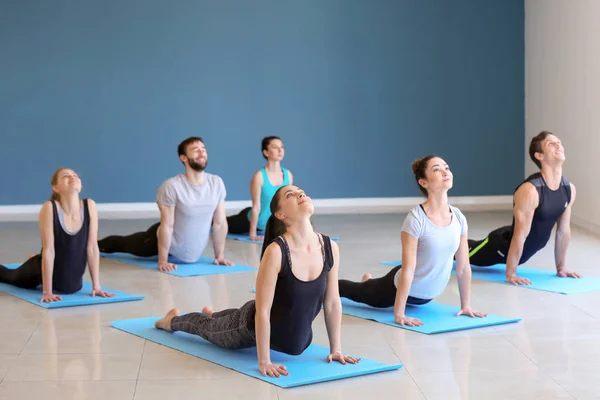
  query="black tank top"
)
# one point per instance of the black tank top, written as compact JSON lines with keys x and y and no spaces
{"x":70,"y":253}
{"x":552,"y":204}
{"x":297,"y":303}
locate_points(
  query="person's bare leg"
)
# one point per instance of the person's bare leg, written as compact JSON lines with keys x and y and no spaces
{"x":165,"y":322}
{"x":207,"y":311}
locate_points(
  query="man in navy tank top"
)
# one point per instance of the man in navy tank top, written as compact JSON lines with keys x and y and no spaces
{"x":540,"y":202}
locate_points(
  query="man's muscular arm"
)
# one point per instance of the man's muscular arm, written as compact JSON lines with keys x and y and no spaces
{"x":563,"y":236}
{"x":526,"y":201}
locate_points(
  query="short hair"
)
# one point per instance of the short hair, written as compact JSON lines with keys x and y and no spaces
{"x":182,"y":148}
{"x":535,"y":146}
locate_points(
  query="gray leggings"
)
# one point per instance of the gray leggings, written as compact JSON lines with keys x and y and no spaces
{"x":232,"y":328}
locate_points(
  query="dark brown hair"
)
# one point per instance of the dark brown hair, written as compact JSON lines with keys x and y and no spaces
{"x":265,"y":144}
{"x":535,"y":146}
{"x":182,"y":147}
{"x":419,"y":168}
{"x":275,"y":227}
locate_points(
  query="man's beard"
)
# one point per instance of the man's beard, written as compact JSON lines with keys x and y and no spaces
{"x":197,"y":166}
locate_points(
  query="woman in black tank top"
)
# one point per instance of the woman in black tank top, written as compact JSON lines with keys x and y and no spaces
{"x":69,"y":228}
{"x":298,"y":275}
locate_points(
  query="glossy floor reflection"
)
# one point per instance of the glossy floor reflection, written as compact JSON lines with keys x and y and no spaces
{"x":73,"y":353}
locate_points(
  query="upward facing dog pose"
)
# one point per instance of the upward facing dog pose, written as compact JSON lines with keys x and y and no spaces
{"x":543,"y":200}
{"x":69,"y":229}
{"x":298,"y":275}
{"x":262,"y":188}
{"x":188,"y":204}
{"x":432,"y":234}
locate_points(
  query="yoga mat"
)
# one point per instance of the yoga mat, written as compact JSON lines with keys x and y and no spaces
{"x":436,"y":317}
{"x":308,"y":368}
{"x":392,"y":263}
{"x":244,"y":237}
{"x":204,"y":266}
{"x":81,"y":298}
{"x":543,"y":280}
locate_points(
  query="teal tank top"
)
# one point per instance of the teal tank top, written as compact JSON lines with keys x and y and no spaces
{"x":267,"y":191}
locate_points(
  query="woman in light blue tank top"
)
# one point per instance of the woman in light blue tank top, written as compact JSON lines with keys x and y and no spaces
{"x":263,"y":186}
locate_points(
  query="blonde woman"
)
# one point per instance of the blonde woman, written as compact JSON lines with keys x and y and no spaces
{"x":69,"y":230}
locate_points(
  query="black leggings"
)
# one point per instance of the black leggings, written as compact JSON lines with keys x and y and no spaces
{"x":493,"y":249}
{"x":27,"y":276}
{"x":239,"y":223}
{"x":376,"y":292}
{"x":232,"y":328}
{"x":141,"y":244}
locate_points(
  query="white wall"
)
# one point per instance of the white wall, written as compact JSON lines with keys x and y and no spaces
{"x":562,"y":85}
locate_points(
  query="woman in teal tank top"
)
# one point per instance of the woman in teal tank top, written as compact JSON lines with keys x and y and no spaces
{"x":263,"y":186}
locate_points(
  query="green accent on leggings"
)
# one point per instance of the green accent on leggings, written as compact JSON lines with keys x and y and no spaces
{"x":476,"y":249}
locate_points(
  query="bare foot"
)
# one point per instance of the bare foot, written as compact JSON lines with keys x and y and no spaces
{"x":165,"y":322}
{"x":207,"y":311}
{"x":366,"y":277}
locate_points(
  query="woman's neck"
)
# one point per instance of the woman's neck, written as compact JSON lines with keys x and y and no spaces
{"x":437,"y":202}
{"x":70,"y":204}
{"x":301,"y":233}
{"x":273,"y":166}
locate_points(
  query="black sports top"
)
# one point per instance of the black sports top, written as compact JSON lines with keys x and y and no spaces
{"x":70,"y":253}
{"x":297,"y":303}
{"x":552,"y":204}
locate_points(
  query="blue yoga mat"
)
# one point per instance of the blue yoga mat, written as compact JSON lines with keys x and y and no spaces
{"x":204,"y":266}
{"x":392,"y":263}
{"x":543,"y":280}
{"x":81,"y":298}
{"x":436,"y":317}
{"x":308,"y":368}
{"x":244,"y":237}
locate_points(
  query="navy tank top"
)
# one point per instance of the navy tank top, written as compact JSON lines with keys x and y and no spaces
{"x":552,"y":204}
{"x":70,"y":253}
{"x":297,"y":303}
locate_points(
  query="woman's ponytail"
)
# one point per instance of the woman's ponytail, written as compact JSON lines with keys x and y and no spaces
{"x":273,"y":229}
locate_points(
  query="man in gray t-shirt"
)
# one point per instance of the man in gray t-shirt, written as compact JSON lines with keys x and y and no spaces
{"x":189,"y":205}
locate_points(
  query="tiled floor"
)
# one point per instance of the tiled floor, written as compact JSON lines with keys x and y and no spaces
{"x":73,"y":353}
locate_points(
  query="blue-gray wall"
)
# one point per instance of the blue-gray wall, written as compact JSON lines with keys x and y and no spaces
{"x":356,"y":88}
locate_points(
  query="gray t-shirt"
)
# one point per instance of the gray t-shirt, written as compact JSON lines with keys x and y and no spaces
{"x":436,"y":248}
{"x":194,"y":210}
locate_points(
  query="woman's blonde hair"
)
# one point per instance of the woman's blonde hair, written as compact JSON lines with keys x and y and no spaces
{"x":54,"y":181}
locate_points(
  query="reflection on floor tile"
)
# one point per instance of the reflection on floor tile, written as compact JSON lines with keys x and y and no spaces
{"x":88,"y":390}
{"x":74,"y":367}
{"x":235,"y":388}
